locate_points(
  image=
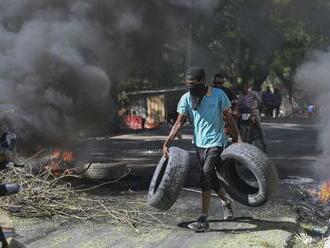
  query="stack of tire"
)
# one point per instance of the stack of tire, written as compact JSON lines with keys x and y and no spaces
{"x":247,"y":174}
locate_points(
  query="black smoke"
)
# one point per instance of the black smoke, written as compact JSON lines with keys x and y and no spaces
{"x":60,"y":61}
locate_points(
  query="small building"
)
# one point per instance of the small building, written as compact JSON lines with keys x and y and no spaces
{"x":151,"y":108}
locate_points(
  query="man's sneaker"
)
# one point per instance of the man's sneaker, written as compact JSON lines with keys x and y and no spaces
{"x":228,"y":213}
{"x":201,"y":225}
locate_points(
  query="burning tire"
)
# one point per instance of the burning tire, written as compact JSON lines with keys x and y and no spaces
{"x":168,"y":179}
{"x":248,"y":175}
{"x":105,"y":171}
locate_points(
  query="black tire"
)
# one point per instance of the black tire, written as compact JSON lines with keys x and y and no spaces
{"x":7,"y":155}
{"x":9,"y":189}
{"x":245,"y":174}
{"x":256,"y":139}
{"x":246,"y":132}
{"x":261,"y":167}
{"x":105,"y":171}
{"x":35,"y":166}
{"x":168,"y":179}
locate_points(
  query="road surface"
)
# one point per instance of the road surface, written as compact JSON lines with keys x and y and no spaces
{"x":292,"y":147}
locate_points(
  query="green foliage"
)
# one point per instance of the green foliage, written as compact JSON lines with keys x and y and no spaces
{"x":251,"y":40}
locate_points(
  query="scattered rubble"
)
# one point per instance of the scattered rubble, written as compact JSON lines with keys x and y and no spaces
{"x":49,"y":190}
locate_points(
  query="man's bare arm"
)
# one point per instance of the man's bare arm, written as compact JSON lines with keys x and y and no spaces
{"x":175,"y":129}
{"x":232,"y":125}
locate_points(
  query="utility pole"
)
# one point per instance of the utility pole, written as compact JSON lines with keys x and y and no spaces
{"x":189,"y":36}
{"x":237,"y":53}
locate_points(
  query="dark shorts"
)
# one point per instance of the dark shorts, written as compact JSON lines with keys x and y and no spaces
{"x":209,"y":159}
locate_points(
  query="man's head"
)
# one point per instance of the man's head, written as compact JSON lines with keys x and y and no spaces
{"x":219,"y":80}
{"x":195,"y":75}
{"x":195,"y":80}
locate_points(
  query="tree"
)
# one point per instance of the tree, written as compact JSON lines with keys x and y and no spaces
{"x":301,"y":31}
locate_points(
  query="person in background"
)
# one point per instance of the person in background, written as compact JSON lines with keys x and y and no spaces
{"x":310,"y":111}
{"x":219,"y":82}
{"x":251,"y":100}
{"x":268,"y":101}
{"x":277,"y":101}
{"x":207,"y":108}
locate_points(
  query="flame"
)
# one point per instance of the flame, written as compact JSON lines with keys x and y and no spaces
{"x":56,"y":154}
{"x":58,"y":158}
{"x":324,"y":193}
{"x":67,"y":156}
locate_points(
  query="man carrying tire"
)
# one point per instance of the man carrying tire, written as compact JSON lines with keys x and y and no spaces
{"x":207,"y":107}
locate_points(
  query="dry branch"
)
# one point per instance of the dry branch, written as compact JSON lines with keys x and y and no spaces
{"x":45,"y":195}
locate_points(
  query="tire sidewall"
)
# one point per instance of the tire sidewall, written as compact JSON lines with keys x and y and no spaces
{"x":262,"y":172}
{"x":172,"y":180}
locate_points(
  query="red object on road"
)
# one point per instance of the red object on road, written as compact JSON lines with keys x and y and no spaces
{"x":134,"y":122}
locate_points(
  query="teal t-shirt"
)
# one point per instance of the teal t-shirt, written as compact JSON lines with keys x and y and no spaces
{"x":207,"y":119}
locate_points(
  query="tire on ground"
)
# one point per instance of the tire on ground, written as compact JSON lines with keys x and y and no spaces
{"x":105,"y":171}
{"x":168,"y":179}
{"x":258,"y":163}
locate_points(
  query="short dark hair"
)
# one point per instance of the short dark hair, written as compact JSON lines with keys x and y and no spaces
{"x":220,"y":74}
{"x":195,"y":73}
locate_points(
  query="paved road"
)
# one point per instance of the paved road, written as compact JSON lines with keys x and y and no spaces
{"x":292,"y":147}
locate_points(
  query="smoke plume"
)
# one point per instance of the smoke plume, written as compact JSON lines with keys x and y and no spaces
{"x":60,"y":60}
{"x":314,"y":77}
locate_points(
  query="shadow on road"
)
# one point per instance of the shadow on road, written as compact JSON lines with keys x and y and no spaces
{"x":259,"y":225}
